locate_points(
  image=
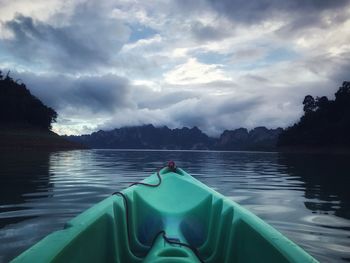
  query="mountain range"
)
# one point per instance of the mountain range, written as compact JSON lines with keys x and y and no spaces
{"x":150,"y":137}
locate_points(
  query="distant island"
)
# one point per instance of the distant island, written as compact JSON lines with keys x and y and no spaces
{"x":150,"y":137}
{"x":25,"y":122}
{"x":324,"y":126}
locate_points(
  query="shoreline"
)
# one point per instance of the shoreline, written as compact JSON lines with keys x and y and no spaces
{"x":35,"y":139}
{"x":45,"y":140}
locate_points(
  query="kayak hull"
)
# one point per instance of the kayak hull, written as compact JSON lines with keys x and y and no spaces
{"x":135,"y":225}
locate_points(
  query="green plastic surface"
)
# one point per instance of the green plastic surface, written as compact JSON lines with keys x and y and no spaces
{"x":186,"y":209}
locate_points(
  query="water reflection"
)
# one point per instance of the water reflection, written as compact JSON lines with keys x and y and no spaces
{"x":305,"y":197}
{"x":326,"y":179}
{"x":31,"y":181}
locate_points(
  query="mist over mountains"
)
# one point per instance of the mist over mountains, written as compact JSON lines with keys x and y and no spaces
{"x":150,"y":137}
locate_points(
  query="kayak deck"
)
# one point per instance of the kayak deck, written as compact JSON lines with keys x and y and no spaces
{"x":146,"y":226}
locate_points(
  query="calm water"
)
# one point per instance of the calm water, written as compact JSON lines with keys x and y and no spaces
{"x":306,"y":197}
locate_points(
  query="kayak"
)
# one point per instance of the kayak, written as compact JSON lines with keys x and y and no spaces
{"x":168,"y":217}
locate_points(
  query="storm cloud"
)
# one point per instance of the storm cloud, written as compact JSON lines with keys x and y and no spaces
{"x":258,"y":10}
{"x":75,"y":95}
{"x":87,"y":40}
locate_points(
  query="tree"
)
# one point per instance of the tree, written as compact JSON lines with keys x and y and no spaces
{"x":19,"y":107}
{"x":344,"y":91}
{"x":324,"y":123}
{"x":309,"y":104}
{"x":321,"y":102}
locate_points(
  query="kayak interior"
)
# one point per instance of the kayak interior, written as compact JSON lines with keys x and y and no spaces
{"x":178,"y":220}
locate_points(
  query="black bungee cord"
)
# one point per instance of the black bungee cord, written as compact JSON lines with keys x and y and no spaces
{"x":172,"y":167}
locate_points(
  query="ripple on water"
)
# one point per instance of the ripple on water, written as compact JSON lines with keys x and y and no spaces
{"x":327,"y":221}
{"x":239,"y":198}
{"x":269,"y":209}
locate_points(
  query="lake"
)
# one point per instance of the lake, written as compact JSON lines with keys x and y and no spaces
{"x":304,"y":196}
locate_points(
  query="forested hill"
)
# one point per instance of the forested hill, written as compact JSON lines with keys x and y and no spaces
{"x":150,"y":137}
{"x":325,"y":123}
{"x":18,"y":107}
{"x":25,"y":122}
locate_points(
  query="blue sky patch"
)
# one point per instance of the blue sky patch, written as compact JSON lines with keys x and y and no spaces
{"x":141,"y":32}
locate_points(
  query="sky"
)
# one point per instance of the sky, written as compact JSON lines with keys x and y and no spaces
{"x":214,"y":64}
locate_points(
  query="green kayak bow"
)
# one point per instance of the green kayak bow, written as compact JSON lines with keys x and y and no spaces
{"x":168,"y":217}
